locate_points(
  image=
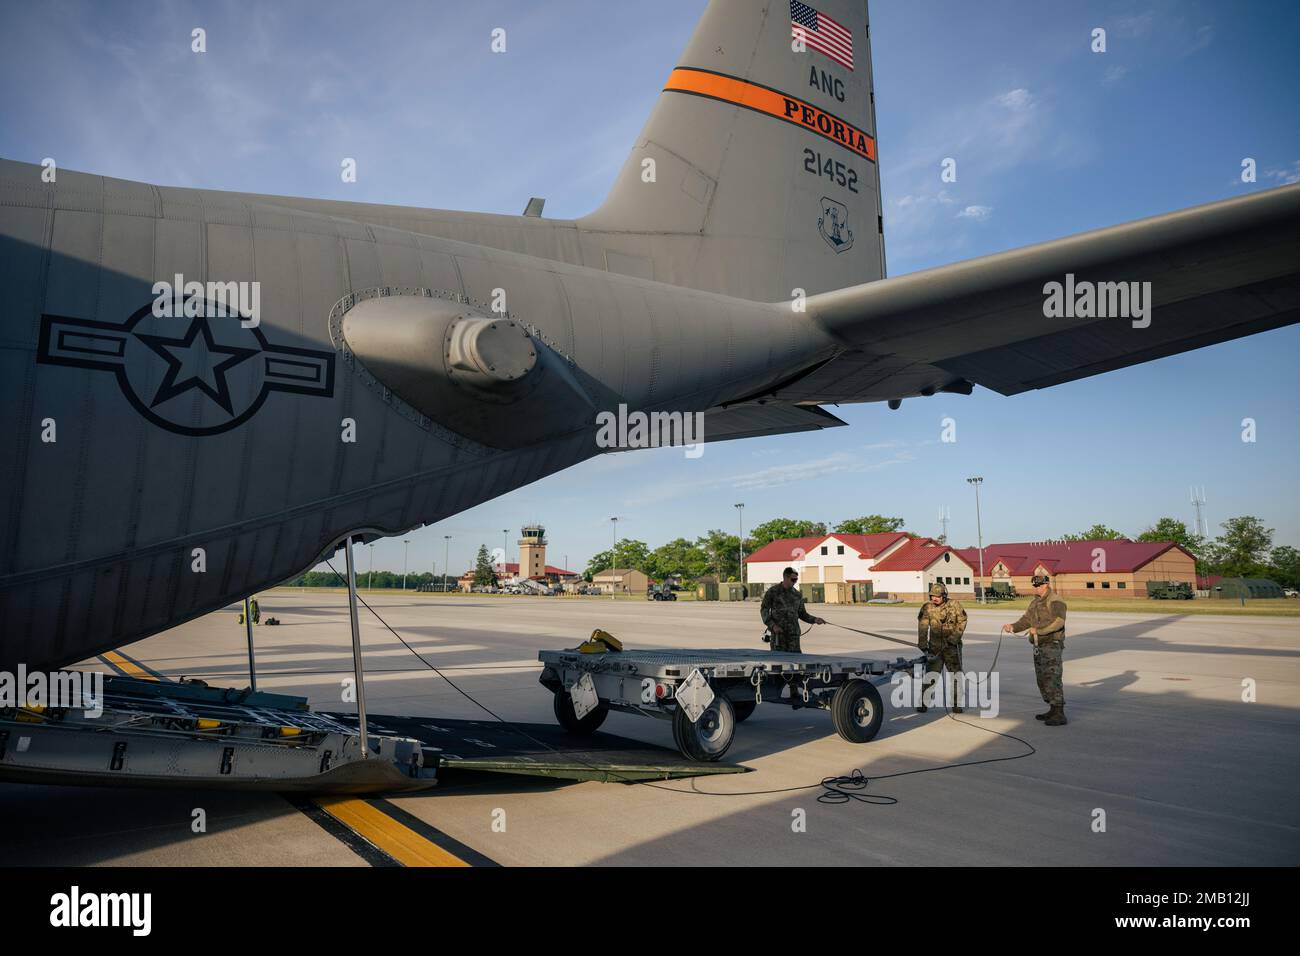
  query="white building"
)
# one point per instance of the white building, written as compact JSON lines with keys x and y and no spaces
{"x":908,"y":572}
{"x":823,"y":559}
{"x":894,"y":563}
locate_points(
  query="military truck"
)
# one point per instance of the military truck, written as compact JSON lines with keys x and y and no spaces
{"x":1000,"y":591}
{"x":1169,"y":590}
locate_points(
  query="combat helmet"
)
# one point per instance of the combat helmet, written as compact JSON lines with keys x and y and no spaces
{"x":939,"y":588}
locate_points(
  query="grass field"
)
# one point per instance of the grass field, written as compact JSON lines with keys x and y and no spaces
{"x":1267,"y":607}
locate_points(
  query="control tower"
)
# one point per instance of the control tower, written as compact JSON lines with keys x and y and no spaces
{"x":532,"y":551}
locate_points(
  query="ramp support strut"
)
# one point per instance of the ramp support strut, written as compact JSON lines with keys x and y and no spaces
{"x":356,"y":648}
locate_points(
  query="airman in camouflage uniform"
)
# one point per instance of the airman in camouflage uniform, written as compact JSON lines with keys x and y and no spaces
{"x":1045,"y":619}
{"x":782,"y":610}
{"x":939,"y":627}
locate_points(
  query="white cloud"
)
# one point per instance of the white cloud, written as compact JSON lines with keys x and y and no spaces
{"x":1286,"y":175}
{"x":838,"y":463}
{"x":882,"y":445}
{"x":1202,"y":39}
{"x":978,"y":213}
{"x":1017,"y":99}
{"x":1135,"y":25}
{"x":1114,"y":74}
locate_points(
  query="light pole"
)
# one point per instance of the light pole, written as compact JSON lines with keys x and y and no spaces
{"x":446,"y":550}
{"x":979,"y":531}
{"x":613,"y":558}
{"x":740,"y":545}
{"x":505,"y":536}
{"x":405,"y":554}
{"x":370,"y":577}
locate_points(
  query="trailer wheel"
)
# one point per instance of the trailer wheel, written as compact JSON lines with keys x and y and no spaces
{"x":743,"y":709}
{"x":857,"y":711}
{"x":563,"y":705}
{"x":710,"y":736}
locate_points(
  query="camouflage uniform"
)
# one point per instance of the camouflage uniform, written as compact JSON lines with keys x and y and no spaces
{"x":1047,"y":614}
{"x":938,"y":632}
{"x":782,"y":610}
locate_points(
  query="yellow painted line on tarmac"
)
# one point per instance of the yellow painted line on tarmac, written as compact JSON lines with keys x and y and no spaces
{"x":400,"y":842}
{"x":132,"y":670}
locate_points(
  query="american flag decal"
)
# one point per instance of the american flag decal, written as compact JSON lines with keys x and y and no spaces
{"x":819,"y":32}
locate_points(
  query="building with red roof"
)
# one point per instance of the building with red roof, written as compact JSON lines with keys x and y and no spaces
{"x":844,"y":559}
{"x":1102,"y":568}
{"x":552,"y":575}
{"x":908,"y":572}
{"x":532,"y":559}
{"x":899,"y":565}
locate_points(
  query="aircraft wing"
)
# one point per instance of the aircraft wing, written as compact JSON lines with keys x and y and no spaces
{"x":753,"y":421}
{"x":1216,"y":272}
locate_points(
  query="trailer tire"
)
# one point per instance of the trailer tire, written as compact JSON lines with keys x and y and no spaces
{"x":743,"y":709}
{"x":857,"y":711}
{"x":564,"y":713}
{"x":709,"y":737}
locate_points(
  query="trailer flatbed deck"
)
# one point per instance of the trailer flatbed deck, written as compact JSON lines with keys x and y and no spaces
{"x":708,"y":691}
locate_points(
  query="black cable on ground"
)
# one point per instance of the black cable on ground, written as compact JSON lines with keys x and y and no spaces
{"x":836,"y":790}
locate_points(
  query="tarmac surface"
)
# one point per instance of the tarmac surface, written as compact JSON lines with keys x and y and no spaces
{"x":1162,"y":763}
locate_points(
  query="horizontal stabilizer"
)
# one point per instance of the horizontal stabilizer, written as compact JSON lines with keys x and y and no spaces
{"x":1181,"y":281}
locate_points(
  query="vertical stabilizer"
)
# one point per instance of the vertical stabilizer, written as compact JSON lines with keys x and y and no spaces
{"x":757,"y":171}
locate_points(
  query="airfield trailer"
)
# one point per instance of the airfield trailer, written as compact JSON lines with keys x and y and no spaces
{"x":706,"y":693}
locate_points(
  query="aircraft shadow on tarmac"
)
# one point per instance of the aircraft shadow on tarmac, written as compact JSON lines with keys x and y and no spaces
{"x":1166,"y":776}
{"x":1172,"y":799}
{"x":1139,"y":636}
{"x":1128,"y":745}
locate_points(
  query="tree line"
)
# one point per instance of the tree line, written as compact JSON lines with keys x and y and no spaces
{"x":365,"y":579}
{"x":1244,"y":548}
{"x":717,"y":552}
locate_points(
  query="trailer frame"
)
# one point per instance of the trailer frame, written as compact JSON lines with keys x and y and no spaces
{"x":707,"y":692}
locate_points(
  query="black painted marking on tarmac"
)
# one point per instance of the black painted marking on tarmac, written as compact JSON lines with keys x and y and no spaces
{"x":144,"y":667}
{"x":345,"y":835}
{"x":111,"y":666}
{"x":433,"y":834}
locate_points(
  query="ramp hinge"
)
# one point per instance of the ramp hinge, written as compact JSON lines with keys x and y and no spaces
{"x":227,"y":760}
{"x":119,"y":755}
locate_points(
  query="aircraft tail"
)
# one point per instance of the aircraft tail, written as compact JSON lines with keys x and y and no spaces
{"x":756,"y":174}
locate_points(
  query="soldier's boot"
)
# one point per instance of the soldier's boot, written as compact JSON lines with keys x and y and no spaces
{"x":956,"y":686}
{"x":1045,"y":714}
{"x":1056,"y":716}
{"x":956,"y":704}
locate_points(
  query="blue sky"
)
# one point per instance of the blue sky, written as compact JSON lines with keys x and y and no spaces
{"x":1050,"y":139}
